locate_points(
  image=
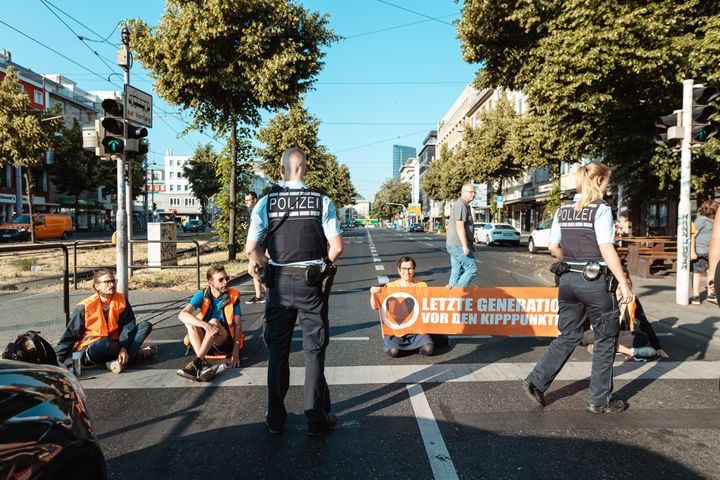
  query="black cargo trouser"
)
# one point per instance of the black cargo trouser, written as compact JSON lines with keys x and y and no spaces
{"x":578,"y":297}
{"x":287,"y":300}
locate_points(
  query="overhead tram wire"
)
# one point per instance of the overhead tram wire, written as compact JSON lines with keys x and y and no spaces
{"x":364,"y":34}
{"x":105,"y":40}
{"x":381,"y":141}
{"x":415,"y":12}
{"x":104,"y":79}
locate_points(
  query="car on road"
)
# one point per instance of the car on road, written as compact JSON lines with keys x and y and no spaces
{"x":540,"y":237}
{"x":415,"y":227}
{"x":477,"y":228}
{"x":193,"y":226}
{"x":499,"y":233}
{"x":45,"y":429}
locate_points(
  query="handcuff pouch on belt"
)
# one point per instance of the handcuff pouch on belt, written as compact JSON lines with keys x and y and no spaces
{"x":267,"y":275}
{"x":590,"y":272}
{"x":323,"y":275}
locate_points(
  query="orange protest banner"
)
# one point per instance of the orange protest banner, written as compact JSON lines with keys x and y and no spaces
{"x":506,"y":311}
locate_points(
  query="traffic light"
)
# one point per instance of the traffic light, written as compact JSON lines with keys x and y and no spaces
{"x":134,"y":144}
{"x":702,"y":114}
{"x":668,"y":130}
{"x":112,"y":123}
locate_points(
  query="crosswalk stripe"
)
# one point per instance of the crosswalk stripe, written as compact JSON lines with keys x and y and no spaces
{"x":402,"y":374}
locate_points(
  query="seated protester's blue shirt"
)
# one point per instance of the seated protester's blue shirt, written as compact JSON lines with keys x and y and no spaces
{"x":197,"y":301}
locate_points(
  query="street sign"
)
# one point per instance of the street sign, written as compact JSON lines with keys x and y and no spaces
{"x":139,"y":106}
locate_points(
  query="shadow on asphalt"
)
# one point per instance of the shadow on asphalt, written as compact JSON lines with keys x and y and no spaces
{"x":248,"y":451}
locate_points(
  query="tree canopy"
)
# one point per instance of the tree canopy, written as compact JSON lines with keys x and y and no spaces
{"x":392,"y":191}
{"x":200,"y":172}
{"x":298,"y":128}
{"x":597,"y":74}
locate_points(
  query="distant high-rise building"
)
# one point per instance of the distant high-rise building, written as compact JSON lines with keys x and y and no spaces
{"x":400,"y":155}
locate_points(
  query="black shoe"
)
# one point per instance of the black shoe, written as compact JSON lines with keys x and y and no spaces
{"x":191,"y":371}
{"x":318,"y":430}
{"x":533,"y":393}
{"x":274,"y":430}
{"x":614,"y":406}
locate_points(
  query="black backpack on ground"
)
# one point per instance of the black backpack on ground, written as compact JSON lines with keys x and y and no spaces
{"x":32,"y":348}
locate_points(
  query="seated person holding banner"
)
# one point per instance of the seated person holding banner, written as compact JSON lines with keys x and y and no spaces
{"x":399,"y":346}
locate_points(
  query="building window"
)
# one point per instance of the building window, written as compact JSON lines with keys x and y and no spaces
{"x":172,"y":175}
{"x":171,"y":187}
{"x":172,"y":163}
{"x":38,"y":97}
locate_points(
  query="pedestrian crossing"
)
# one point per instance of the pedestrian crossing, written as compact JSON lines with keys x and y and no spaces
{"x":402,"y":374}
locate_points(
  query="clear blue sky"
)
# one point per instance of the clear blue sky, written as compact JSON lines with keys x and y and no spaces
{"x":389,"y":81}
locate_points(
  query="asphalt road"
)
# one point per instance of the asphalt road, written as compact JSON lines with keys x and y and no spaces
{"x":459,"y":414}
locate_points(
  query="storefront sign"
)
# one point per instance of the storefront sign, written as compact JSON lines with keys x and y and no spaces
{"x":7,"y":198}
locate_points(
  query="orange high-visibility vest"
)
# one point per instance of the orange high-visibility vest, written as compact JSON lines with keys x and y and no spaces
{"x":96,"y":325}
{"x":228,"y":310}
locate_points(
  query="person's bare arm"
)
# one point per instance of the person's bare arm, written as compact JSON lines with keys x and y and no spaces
{"x":556,"y":250}
{"x":460,"y":227}
{"x":336,"y":248}
{"x":714,"y":252}
{"x":186,"y":316}
{"x":609,"y":254}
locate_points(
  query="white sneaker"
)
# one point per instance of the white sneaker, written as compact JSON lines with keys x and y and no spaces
{"x":114,"y":366}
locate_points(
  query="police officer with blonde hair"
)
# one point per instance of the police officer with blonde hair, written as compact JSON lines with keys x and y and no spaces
{"x":302,"y":235}
{"x":581,"y":237}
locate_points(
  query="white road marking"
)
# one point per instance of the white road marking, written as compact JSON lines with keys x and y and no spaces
{"x":430,"y":244}
{"x":403,"y":374}
{"x":333,"y":339}
{"x":665,"y":334}
{"x":440,"y":461}
{"x":379,"y":267}
{"x":383,"y":279}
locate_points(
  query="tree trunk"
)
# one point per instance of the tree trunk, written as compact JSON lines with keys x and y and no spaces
{"x":28,"y":192}
{"x":233,"y":193}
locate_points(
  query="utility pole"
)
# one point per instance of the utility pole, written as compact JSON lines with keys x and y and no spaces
{"x":683,"y":232}
{"x":121,"y":228}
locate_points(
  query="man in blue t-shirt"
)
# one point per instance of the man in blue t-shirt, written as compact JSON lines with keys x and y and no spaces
{"x":212,"y":318}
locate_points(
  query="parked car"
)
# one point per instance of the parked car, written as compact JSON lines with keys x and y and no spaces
{"x":45,"y":429}
{"x":415,"y":227}
{"x":47,"y":225}
{"x":193,"y":226}
{"x":499,"y":233}
{"x":477,"y":229}
{"x":540,"y":237}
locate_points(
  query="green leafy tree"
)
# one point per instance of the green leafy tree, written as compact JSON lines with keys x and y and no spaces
{"x":26,"y":134}
{"x":392,"y":191}
{"x":223,"y":198}
{"x":200,"y":172}
{"x":597,"y":74}
{"x":106,"y":175}
{"x":298,"y":128}
{"x":445,"y":176}
{"x":226,"y":61}
{"x":73,"y":170}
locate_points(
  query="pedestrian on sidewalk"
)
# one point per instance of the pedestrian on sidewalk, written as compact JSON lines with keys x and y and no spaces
{"x":699,"y":248}
{"x":251,"y":200}
{"x":713,"y":274}
{"x":216,"y":328}
{"x":102,"y":329}
{"x":297,"y":223}
{"x":423,"y":344}
{"x":582,"y":236}
{"x":459,"y":240}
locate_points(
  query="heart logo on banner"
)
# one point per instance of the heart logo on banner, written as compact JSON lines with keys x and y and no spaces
{"x":398,"y":310}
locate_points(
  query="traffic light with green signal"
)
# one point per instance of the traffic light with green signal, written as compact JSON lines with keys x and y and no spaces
{"x":702,"y":114}
{"x":112,"y":124}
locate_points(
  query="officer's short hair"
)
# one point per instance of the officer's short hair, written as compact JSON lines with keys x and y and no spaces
{"x":288,"y":153}
{"x":252,"y":194}
{"x":213,"y":270}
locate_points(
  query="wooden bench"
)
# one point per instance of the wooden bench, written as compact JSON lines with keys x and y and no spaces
{"x":643,"y":253}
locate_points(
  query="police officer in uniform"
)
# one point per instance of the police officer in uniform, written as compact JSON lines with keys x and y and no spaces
{"x":582,"y":236}
{"x":302,"y":235}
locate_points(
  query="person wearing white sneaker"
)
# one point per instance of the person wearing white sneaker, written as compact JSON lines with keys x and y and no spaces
{"x":103,"y":328}
{"x":213,"y":321}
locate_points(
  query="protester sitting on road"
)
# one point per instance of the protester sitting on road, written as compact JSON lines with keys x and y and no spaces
{"x":217,"y":326}
{"x":410,"y":343}
{"x":699,"y":247}
{"x":103,"y":328}
{"x":637,"y":337}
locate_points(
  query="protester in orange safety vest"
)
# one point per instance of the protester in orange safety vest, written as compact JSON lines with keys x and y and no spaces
{"x":213,"y":322}
{"x":103,"y":328}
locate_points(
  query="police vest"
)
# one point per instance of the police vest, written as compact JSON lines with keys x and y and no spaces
{"x":228,"y":311}
{"x":300,"y":236}
{"x":96,"y":325}
{"x":578,"y":240}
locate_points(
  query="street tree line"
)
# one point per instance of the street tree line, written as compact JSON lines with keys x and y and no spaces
{"x":596,"y":74}
{"x":27,"y":134}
